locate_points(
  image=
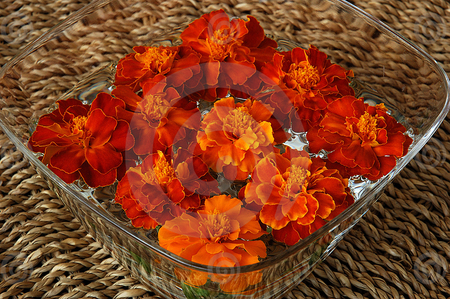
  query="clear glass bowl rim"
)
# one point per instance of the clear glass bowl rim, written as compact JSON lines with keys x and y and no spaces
{"x":350,"y":211}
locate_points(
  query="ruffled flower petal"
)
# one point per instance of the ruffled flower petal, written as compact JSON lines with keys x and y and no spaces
{"x":232,"y":140}
{"x":364,"y":139}
{"x":309,"y":80}
{"x":209,"y":236}
{"x":83,"y":139}
{"x":298,"y":191}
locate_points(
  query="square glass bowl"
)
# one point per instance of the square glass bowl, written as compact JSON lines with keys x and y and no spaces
{"x":77,"y":58}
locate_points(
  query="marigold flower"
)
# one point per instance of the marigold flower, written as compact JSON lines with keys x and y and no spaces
{"x":160,"y":189}
{"x":177,"y":66}
{"x":235,"y":137}
{"x":230,"y":51}
{"x":159,"y":118}
{"x":222,"y":234}
{"x":308,"y":82}
{"x":295,"y":194}
{"x":84,"y":141}
{"x":364,"y":139}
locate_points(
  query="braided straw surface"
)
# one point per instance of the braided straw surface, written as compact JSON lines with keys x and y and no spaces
{"x":399,"y":249}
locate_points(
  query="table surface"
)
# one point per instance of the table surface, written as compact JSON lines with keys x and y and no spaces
{"x":399,"y":249}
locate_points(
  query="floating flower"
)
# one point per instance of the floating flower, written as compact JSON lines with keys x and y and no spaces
{"x":84,"y":141}
{"x":309,"y":81}
{"x":177,"y":66}
{"x":230,"y":51}
{"x":235,"y":137}
{"x":153,"y":192}
{"x":159,"y":118}
{"x":295,"y":195}
{"x":364,"y":139}
{"x":222,"y":234}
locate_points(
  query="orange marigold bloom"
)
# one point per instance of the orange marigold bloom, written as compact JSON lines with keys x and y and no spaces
{"x":308,"y":82}
{"x":178,"y":66}
{"x":295,"y":195}
{"x":235,"y":137}
{"x":158,"y":118}
{"x":222,"y":234}
{"x":231,"y":51}
{"x":364,"y":139}
{"x":160,"y":189}
{"x":82,"y":141}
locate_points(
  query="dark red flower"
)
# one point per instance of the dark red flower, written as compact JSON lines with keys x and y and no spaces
{"x":230,"y":49}
{"x":364,"y":139}
{"x":177,"y":66}
{"x":159,"y":118}
{"x":308,"y":82}
{"x":160,"y":188}
{"x":84,"y":141}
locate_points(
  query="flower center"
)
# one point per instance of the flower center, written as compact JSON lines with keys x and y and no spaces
{"x":161,"y":174}
{"x":164,"y":172}
{"x":304,"y":74}
{"x":296,"y":181}
{"x":218,"y":226}
{"x":154,"y":108}
{"x":78,"y":124}
{"x":221,"y":36}
{"x":237,"y":122}
{"x":220,"y":44}
{"x":367,"y":127}
{"x":154,"y":58}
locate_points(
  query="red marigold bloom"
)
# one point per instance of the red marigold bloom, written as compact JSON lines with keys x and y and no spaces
{"x":364,"y":139}
{"x":222,"y":234}
{"x":308,"y":82}
{"x":84,"y":141}
{"x":295,"y":195}
{"x":235,"y":137}
{"x":158,"y":190}
{"x":179,"y":66}
{"x":230,"y":51}
{"x":159,"y":118}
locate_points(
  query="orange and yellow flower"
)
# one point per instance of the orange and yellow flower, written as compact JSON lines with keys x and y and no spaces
{"x":82,"y":141}
{"x":230,"y":52}
{"x":159,"y":118}
{"x":153,"y":192}
{"x":364,"y":139}
{"x":295,"y":195}
{"x":222,"y":234}
{"x":308,"y":81}
{"x":235,"y":137}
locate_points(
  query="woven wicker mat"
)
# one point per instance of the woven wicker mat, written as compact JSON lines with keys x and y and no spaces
{"x":400,"y":249}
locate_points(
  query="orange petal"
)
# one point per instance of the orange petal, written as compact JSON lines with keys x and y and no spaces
{"x":222,"y":204}
{"x":326,"y":204}
{"x":273,"y":216}
{"x":296,"y":209}
{"x":223,"y":106}
{"x":312,"y":205}
{"x":229,"y":154}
